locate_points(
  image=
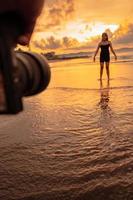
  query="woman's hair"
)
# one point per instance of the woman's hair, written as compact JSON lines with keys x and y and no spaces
{"x":106,"y":35}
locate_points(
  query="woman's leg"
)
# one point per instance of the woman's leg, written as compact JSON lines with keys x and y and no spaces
{"x":101,"y":69}
{"x":107,"y":70}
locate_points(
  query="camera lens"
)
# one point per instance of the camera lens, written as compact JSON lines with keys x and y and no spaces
{"x":33,"y":73}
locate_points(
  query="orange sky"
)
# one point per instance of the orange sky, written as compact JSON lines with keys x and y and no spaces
{"x":70,"y":25}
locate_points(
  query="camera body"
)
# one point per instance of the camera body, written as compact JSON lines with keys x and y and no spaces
{"x":21,"y":73}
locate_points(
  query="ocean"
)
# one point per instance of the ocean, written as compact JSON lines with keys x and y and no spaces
{"x":75,"y":140}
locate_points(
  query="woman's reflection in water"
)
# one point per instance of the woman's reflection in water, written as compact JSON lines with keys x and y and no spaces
{"x":106,"y":112}
{"x":104,"y":95}
{"x":107,"y":116}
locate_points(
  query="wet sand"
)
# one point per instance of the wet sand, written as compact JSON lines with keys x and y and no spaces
{"x":74,"y":141}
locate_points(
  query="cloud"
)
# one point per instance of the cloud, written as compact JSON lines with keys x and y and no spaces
{"x":49,"y":43}
{"x":69,"y":42}
{"x":110,"y":34}
{"x":52,"y":43}
{"x":124,"y":35}
{"x":56,"y":13}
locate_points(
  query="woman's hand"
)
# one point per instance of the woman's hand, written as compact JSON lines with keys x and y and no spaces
{"x":29,"y":10}
{"x":94,"y":59}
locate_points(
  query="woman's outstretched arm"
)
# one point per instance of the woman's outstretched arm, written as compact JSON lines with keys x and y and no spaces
{"x":96,"y":52}
{"x":112,"y":50}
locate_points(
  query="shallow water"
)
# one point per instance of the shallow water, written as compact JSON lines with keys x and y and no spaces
{"x":74,"y":141}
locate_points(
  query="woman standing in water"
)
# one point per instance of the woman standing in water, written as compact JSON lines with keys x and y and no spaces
{"x":105,"y":44}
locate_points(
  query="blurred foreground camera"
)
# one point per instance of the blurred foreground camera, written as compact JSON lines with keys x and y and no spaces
{"x":21,"y":73}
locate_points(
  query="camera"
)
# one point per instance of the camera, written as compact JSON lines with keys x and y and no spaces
{"x":22,"y":74}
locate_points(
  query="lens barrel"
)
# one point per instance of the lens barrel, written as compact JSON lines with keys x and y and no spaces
{"x":33,"y":73}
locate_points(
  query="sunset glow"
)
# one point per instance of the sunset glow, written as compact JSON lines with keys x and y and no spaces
{"x":82,"y":31}
{"x":79,"y":24}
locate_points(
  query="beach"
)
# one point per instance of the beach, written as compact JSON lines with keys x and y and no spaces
{"x":73,"y":141}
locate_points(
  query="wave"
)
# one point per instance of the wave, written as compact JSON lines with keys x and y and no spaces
{"x":92,"y":89}
{"x":74,"y":63}
{"x":124,"y":61}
